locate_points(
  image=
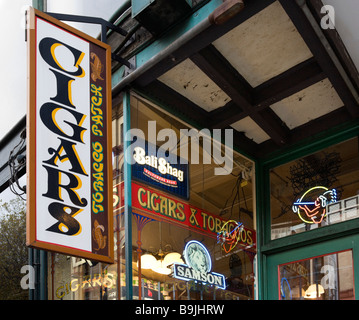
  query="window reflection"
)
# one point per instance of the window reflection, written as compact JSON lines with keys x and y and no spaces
{"x":328,"y":277}
{"x":164,"y":224}
{"x":237,"y":267}
{"x":315,"y":191}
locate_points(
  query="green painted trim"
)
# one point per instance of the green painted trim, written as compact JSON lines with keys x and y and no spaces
{"x":323,"y":239}
{"x":259,"y":191}
{"x":116,"y":76}
{"x":332,"y":246}
{"x":127,"y":196}
{"x":320,"y":235}
{"x":314,"y":143}
{"x":356,"y":268}
{"x":149,"y":49}
{"x":330,"y":137}
{"x":43,"y":275}
{"x":30,"y":252}
{"x":38,"y":4}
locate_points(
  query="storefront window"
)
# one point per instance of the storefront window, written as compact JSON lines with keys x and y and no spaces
{"x":214,"y":224}
{"x":315,"y":191}
{"x":157,"y":278}
{"x":79,"y":279}
{"x":328,"y":277}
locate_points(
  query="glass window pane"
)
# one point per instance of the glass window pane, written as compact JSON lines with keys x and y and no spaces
{"x":168,"y":247}
{"x":328,"y":277}
{"x":158,"y":237}
{"x":315,"y":191}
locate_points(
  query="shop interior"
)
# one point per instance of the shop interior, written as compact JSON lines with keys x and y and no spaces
{"x":230,"y":197}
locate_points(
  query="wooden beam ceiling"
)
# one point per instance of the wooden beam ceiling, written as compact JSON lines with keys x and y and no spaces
{"x":321,"y":54}
{"x":180,"y":106}
{"x":289,"y":82}
{"x":255,"y":103}
{"x":202,"y":40}
{"x":336,"y":43}
{"x":219,"y":70}
{"x":282,"y":86}
{"x":309,"y":130}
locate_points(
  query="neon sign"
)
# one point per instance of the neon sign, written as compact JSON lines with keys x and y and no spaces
{"x":285,"y":289}
{"x":229,"y":239}
{"x":160,"y":205}
{"x":160,"y":164}
{"x":311,"y":207}
{"x":198,"y":266}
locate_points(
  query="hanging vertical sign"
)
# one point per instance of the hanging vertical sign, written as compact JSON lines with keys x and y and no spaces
{"x":69,"y":188}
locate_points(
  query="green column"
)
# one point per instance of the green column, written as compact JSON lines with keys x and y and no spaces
{"x":39,"y":4}
{"x":127,"y":194}
{"x":41,"y":289}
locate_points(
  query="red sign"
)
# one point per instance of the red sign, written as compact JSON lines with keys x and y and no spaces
{"x":161,"y":206}
{"x":159,"y":178}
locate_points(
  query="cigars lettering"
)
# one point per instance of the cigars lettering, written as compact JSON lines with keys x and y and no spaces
{"x":182,"y":213}
{"x":71,"y":142}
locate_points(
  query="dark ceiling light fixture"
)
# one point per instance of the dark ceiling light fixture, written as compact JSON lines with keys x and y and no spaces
{"x":226,"y":11}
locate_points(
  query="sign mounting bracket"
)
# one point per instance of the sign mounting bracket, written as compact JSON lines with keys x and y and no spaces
{"x":105,"y":25}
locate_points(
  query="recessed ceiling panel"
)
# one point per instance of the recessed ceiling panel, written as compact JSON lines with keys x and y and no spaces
{"x":264,"y":46}
{"x":251,"y":130}
{"x":188,"y":80}
{"x":308,"y":104}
